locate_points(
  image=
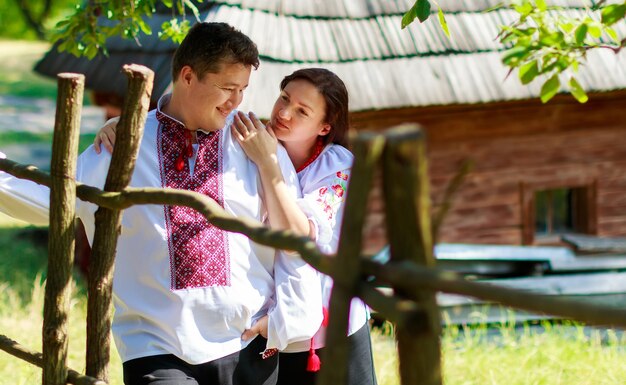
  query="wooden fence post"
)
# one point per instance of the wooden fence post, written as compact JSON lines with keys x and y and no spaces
{"x":108,"y":221}
{"x":61,"y":238}
{"x":347,"y":268}
{"x":407,"y":205}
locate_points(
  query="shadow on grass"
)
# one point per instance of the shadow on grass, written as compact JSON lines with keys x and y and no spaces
{"x":24,"y":259}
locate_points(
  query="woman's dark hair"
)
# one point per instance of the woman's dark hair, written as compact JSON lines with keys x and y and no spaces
{"x":209,"y":45}
{"x":335,"y":94}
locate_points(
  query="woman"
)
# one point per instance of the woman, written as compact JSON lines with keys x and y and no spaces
{"x":310,"y":119}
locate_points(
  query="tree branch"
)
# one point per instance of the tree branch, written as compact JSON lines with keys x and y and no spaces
{"x":35,"y":24}
{"x":35,"y":358}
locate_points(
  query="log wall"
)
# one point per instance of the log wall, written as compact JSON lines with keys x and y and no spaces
{"x":514,"y":146}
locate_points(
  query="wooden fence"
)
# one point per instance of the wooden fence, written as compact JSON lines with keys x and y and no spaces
{"x":411,"y":272}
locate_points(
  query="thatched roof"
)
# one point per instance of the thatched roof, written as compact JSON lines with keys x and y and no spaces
{"x":361,"y":40}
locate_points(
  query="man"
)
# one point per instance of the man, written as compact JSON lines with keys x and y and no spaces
{"x":184,"y":290}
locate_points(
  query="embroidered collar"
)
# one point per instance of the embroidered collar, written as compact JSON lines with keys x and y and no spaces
{"x":319,"y":147}
{"x":185,"y":136}
{"x":164,"y":118}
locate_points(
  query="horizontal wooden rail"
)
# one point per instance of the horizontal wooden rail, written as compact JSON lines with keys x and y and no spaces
{"x":213,"y":212}
{"x":35,"y":358}
{"x":413,"y":277}
{"x":401,"y":274}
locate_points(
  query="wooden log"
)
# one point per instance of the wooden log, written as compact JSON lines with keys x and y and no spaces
{"x":405,"y":275}
{"x":35,"y":358}
{"x":407,"y":203}
{"x":108,"y":221}
{"x":399,"y":311}
{"x":412,"y":277}
{"x":346,"y":270}
{"x":61,"y":239}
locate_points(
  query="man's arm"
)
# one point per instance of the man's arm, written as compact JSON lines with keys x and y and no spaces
{"x":30,"y":202}
{"x":24,"y":199}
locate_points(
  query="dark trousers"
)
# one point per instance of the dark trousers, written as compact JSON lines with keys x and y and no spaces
{"x":242,"y":368}
{"x":292,"y":366}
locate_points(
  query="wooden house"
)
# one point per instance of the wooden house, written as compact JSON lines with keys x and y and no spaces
{"x":538,"y":170}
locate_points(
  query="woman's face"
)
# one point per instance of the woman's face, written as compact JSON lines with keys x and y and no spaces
{"x":299,"y":112}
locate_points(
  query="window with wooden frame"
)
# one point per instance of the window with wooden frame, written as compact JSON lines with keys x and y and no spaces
{"x":550,"y":210}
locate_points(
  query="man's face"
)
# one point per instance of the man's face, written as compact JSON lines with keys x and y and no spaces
{"x":209,"y":101}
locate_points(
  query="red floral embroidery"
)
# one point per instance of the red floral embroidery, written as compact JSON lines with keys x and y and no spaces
{"x":267,"y":353}
{"x":342,"y":175}
{"x":338,"y":190}
{"x":198,"y":251}
{"x":332,"y":196}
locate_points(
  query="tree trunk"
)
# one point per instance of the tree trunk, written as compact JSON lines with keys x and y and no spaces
{"x":35,"y":23}
{"x":407,"y":205}
{"x":347,"y":267}
{"x":61,"y":238}
{"x":108,"y":221}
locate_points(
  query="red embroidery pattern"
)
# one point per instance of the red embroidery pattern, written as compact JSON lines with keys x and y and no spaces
{"x":198,"y":250}
{"x":267,"y":353}
{"x":332,"y":196}
{"x":317,"y":150}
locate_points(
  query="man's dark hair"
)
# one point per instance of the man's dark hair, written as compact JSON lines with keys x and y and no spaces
{"x":335,"y":94}
{"x":209,"y":45}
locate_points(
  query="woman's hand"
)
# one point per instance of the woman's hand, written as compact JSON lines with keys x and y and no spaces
{"x":106,"y":136}
{"x":258,"y":141}
{"x":260,"y":327}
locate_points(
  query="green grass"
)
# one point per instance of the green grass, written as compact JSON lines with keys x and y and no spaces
{"x":23,"y":263}
{"x":23,"y":137}
{"x":16,"y":75}
{"x":559,"y":354}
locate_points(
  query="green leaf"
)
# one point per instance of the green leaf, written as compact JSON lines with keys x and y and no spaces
{"x":567,"y":27}
{"x":420,"y":10}
{"x":144,"y":27}
{"x":62,"y":23}
{"x":189,"y":4}
{"x":548,"y":65}
{"x":550,"y":88}
{"x":577,"y":91}
{"x":612,"y":34}
{"x":541,"y":5}
{"x":528,"y":72}
{"x":581,"y":33}
{"x":553,"y":39}
{"x":563,"y":63}
{"x":513,"y":56}
{"x":613,"y":13}
{"x":524,"y":9}
{"x":525,"y":31}
{"x":595,"y":31}
{"x":443,"y":23}
{"x":91,"y":51}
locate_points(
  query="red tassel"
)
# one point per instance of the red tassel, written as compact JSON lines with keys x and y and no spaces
{"x":313,"y":364}
{"x":180,"y":163}
{"x":325,"y":320}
